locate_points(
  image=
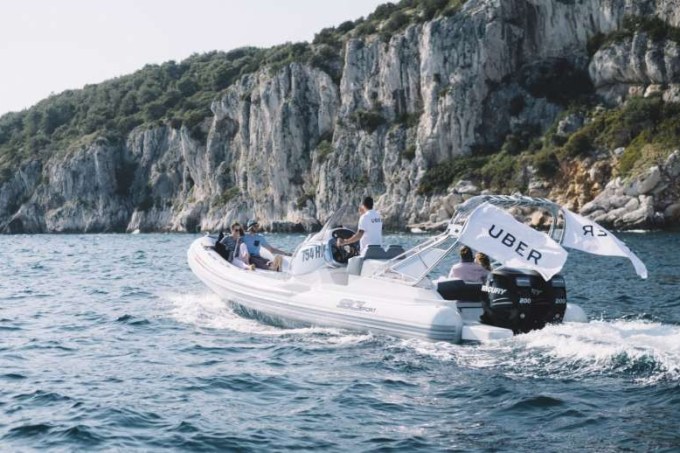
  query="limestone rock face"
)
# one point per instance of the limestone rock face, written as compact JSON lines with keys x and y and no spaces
{"x":292,"y":145}
{"x":637,"y":66}
{"x":72,"y":193}
{"x":649,"y":200}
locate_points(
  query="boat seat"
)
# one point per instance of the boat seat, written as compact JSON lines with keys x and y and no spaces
{"x":376,"y":252}
{"x":460,"y":290}
{"x":395,"y":250}
{"x":373,"y":252}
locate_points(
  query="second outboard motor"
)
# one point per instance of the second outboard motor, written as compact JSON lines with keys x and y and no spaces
{"x":521,"y":300}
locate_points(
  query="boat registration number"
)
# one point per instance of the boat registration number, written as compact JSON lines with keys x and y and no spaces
{"x":312,"y":253}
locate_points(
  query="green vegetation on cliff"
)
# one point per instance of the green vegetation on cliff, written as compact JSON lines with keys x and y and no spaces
{"x":655,"y":28}
{"x":177,"y":92}
{"x":180,"y":94}
{"x":388,"y":19}
{"x":648,"y":129}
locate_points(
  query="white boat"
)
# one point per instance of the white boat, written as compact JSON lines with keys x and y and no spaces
{"x":389,"y":291}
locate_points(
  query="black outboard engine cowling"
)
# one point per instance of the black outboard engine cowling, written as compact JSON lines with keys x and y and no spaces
{"x":521,"y":300}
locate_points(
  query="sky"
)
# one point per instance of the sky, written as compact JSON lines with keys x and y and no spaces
{"x":48,"y":46}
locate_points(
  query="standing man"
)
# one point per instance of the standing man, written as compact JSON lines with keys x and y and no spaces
{"x":369,"y":231}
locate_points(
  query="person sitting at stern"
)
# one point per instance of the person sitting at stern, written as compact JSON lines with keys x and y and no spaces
{"x":483,"y":260}
{"x":467,"y":269}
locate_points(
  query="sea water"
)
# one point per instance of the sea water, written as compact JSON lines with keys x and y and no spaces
{"x":109,"y":342}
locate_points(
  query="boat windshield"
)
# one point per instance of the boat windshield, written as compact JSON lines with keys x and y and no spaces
{"x":346,"y":216}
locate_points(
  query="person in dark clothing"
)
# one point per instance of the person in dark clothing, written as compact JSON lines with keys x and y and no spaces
{"x":234,"y":249}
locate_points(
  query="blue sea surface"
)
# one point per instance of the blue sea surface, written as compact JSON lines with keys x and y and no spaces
{"x":109,"y":342}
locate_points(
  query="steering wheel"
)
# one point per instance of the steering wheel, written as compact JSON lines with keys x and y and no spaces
{"x":343,"y":254}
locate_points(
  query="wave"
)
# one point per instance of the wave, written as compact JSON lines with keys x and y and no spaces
{"x":133,"y":320}
{"x":27,"y":430}
{"x":646,"y":352}
{"x":54,"y":436}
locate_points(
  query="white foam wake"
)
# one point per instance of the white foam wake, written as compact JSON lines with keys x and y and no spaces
{"x":207,"y":310}
{"x":647,"y":352}
{"x":647,"y":349}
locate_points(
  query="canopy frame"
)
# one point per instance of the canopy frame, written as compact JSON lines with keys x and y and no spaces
{"x":412,"y":266}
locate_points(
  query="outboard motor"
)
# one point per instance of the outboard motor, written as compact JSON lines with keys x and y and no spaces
{"x":521,"y":300}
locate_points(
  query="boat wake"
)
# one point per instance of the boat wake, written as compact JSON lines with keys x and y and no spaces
{"x":646,"y":352}
{"x":642,"y":351}
{"x":207,"y":310}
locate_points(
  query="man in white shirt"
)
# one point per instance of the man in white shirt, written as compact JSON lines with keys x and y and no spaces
{"x":369,"y":231}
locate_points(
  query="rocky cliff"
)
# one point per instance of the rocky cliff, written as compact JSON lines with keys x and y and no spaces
{"x":289,"y":145}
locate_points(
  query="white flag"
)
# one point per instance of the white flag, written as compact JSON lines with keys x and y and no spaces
{"x":496,"y":233}
{"x":584,"y":234}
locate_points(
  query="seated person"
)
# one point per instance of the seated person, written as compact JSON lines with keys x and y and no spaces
{"x":369,"y":230}
{"x":483,"y":260}
{"x":236,"y":248}
{"x":254,"y":241}
{"x":467,"y":269}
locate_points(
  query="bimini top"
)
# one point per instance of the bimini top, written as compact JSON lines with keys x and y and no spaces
{"x":506,"y":202}
{"x":483,"y":223}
